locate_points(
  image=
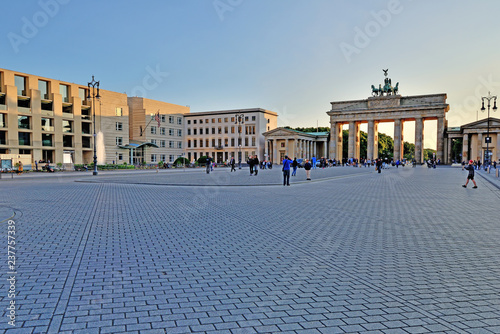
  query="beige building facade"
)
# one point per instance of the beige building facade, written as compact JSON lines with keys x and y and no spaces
{"x":166,"y":132}
{"x":218,"y":134}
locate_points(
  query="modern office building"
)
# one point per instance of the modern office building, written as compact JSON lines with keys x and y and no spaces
{"x":154,"y":139}
{"x":51,"y":120}
{"x":219,"y":134}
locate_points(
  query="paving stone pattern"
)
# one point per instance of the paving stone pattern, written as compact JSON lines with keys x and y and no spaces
{"x":405,"y":251}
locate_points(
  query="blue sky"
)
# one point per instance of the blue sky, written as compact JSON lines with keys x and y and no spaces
{"x":288,"y":56}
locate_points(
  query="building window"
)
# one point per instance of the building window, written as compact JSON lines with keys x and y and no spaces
{"x":226,"y":142}
{"x":119,"y":126}
{"x":219,"y":120}
{"x":246,"y":141}
{"x":43,"y":87}
{"x":171,"y":157}
{"x":201,"y":131}
{"x":171,"y":119}
{"x":189,"y":143}
{"x":64,"y":91}
{"x":268,"y":121}
{"x":206,"y":143}
{"x":153,"y":157}
{"x":201,"y":121}
{"x":163,"y":131}
{"x":246,"y":118}
{"x":153,"y":141}
{"x":171,"y":143}
{"x":163,"y":118}
{"x":201,"y":142}
{"x":23,"y":122}
{"x":219,"y":130}
{"x":253,"y":118}
{"x":24,"y":138}
{"x":213,"y":120}
{"x":225,"y":119}
{"x":232,"y":142}
{"x":226,"y":129}
{"x":120,"y":156}
{"x":232,"y":129}
{"x":162,"y":157}
{"x":20,"y":83}
{"x":153,"y":130}
{"x":179,"y":144}
{"x":179,"y":133}
{"x":47,"y":124}
{"x":119,"y":141}
{"x":170,"y":132}
{"x":68,"y":141}
{"x":194,"y":131}
{"x":162,"y":143}
{"x":253,"y":141}
{"x":179,"y":120}
{"x":189,"y":121}
{"x":232,"y":119}
{"x":213,"y":131}
{"x":189,"y":131}
{"x":213,"y":142}
{"x":67,"y":126}
{"x":118,"y":112}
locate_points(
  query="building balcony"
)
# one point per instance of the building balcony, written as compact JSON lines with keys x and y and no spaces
{"x":219,"y":147}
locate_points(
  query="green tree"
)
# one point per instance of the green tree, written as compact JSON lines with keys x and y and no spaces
{"x":314,"y":129}
{"x":409,"y":150}
{"x":385,"y":146}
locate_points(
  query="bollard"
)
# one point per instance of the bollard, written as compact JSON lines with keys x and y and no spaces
{"x":497,"y":172}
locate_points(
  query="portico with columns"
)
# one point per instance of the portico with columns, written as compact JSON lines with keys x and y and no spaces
{"x":388,"y":108}
{"x":296,"y":144}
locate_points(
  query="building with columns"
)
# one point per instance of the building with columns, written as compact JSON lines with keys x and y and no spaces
{"x":389,"y":108}
{"x":472,"y":138}
{"x":295,"y":144}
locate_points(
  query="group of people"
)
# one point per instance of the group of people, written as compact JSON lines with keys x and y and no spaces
{"x":477,"y":164}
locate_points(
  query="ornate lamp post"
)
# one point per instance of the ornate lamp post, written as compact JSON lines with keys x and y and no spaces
{"x":488,"y":138}
{"x":95,"y":95}
{"x":239,"y":119}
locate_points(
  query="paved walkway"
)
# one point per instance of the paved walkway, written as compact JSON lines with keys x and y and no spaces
{"x":353,"y":251}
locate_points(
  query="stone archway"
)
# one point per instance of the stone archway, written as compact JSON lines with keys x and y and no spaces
{"x":389,"y":108}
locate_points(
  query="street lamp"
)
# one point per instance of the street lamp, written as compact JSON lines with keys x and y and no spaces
{"x":95,"y":95}
{"x":488,"y":138}
{"x":239,"y":119}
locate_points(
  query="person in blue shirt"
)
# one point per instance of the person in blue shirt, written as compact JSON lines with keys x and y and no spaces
{"x":286,"y":170}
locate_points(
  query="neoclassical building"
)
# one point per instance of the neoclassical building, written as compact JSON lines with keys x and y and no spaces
{"x":295,"y":144}
{"x":472,"y":138}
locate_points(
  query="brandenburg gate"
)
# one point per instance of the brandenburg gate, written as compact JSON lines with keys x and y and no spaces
{"x":386,"y":106}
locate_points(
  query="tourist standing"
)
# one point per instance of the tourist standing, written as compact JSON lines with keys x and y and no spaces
{"x":250,"y":164}
{"x":307,"y":168}
{"x":470,"y":176}
{"x":286,"y":170}
{"x":294,"y":166}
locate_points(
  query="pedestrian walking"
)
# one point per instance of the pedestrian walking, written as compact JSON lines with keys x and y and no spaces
{"x":470,"y":176}
{"x":307,"y":167}
{"x":378,"y":165}
{"x":256,"y":165}
{"x":286,"y":170}
{"x":20,"y":168}
{"x":232,"y":163}
{"x":250,"y":164}
{"x":294,"y":167}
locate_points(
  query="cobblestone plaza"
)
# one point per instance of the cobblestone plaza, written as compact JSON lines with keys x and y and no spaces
{"x":179,"y":251}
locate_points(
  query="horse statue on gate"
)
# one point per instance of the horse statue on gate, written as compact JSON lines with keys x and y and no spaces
{"x":376,"y":91}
